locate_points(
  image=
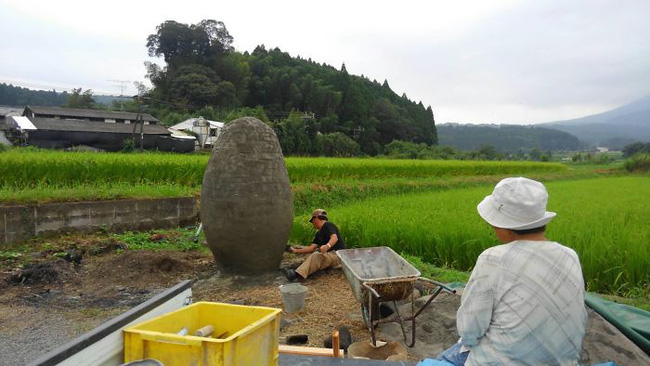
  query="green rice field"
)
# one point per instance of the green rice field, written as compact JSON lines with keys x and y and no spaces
{"x":25,"y":168}
{"x":327,"y":169}
{"x":28,"y":168}
{"x":39,"y":176}
{"x":605,"y":220}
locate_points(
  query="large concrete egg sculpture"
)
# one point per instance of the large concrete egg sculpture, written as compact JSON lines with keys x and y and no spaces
{"x":246,"y":200}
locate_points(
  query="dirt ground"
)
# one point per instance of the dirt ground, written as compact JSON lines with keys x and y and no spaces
{"x":53,"y":300}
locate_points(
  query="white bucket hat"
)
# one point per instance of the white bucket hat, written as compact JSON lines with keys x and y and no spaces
{"x":516,"y":204}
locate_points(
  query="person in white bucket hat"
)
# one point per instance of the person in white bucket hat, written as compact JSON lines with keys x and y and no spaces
{"x":516,"y":204}
{"x":524,"y":302}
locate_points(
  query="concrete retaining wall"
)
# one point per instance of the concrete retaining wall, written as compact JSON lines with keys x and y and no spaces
{"x":21,"y":223}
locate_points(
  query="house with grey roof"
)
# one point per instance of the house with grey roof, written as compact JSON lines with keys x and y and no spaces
{"x":63,"y":128}
{"x":93,"y":115}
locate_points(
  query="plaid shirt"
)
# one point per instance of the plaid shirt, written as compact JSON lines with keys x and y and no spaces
{"x":524,"y":305}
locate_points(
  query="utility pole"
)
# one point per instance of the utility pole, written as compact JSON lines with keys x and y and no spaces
{"x":139,"y":121}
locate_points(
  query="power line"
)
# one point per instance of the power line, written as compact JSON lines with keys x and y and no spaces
{"x":122,"y":85}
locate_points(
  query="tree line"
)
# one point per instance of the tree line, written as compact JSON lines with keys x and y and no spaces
{"x":18,"y":96}
{"x":310,"y":105}
{"x":509,"y":139}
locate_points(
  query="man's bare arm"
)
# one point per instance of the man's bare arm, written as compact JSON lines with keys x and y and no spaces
{"x":308,"y":249}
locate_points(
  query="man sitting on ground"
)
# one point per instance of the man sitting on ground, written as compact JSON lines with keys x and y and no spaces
{"x":323,"y":248}
{"x":524,"y":302}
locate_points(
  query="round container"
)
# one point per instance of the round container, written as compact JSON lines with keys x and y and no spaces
{"x":293,"y":297}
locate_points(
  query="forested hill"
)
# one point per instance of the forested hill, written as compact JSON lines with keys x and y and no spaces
{"x":506,"y":138}
{"x":203,"y":70}
{"x":20,"y":97}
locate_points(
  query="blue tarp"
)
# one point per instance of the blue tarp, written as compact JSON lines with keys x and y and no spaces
{"x":634,"y":323}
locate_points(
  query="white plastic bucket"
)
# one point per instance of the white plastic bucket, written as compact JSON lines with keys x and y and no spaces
{"x":293,"y":297}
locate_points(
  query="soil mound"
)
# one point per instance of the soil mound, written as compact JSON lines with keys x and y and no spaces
{"x":41,"y":273}
{"x":33,"y":274}
{"x":141,"y":268}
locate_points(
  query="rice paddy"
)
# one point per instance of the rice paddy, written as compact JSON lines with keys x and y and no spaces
{"x":605,"y":220}
{"x":38,"y":176}
{"x":24,"y":168}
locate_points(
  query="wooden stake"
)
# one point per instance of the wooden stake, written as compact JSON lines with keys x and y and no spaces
{"x":335,"y":343}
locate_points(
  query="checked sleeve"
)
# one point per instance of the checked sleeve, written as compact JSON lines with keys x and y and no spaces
{"x":475,"y":312}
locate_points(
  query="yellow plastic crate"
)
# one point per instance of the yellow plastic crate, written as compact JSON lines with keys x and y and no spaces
{"x":251,"y":336}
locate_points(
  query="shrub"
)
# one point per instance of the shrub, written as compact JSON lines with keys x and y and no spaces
{"x":638,"y":163}
{"x":635,"y":148}
{"x":337,"y":144}
{"x":128,"y":146}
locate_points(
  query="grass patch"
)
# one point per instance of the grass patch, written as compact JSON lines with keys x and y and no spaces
{"x":639,"y":163}
{"x":181,"y":239}
{"x":637,"y":302}
{"x":428,"y":270}
{"x":99,"y":192}
{"x":178,"y":239}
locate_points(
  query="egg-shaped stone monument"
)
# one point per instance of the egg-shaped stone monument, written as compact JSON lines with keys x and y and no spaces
{"x":246,"y":200}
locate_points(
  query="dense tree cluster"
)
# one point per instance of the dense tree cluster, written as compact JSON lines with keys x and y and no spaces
{"x":410,"y":150}
{"x":81,"y":99}
{"x":19,"y":97}
{"x":310,"y":105}
{"x":636,"y":148}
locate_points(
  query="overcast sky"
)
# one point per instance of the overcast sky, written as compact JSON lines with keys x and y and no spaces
{"x":472,"y":61}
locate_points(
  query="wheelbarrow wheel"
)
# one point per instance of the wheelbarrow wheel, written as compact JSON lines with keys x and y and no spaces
{"x":365,"y":311}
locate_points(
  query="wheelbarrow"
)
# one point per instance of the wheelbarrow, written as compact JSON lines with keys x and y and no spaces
{"x":378,"y":275}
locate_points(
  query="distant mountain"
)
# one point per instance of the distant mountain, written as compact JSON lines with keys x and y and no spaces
{"x":506,"y":138}
{"x":621,"y":125}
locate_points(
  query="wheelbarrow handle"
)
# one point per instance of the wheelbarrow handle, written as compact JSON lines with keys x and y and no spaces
{"x":445,"y":288}
{"x":365,"y":284}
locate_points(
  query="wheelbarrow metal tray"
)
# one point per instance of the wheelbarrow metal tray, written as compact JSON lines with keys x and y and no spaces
{"x":380,"y":267}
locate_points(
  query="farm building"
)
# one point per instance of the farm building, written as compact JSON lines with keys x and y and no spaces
{"x":62,"y":128}
{"x":205,"y":130}
{"x":89,"y":115}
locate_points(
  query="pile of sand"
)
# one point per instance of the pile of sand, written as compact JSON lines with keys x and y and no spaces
{"x":436,"y":331}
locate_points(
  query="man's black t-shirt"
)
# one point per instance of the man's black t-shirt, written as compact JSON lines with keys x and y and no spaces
{"x":323,"y":236}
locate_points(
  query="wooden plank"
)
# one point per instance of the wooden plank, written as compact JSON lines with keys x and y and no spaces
{"x":308,"y":351}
